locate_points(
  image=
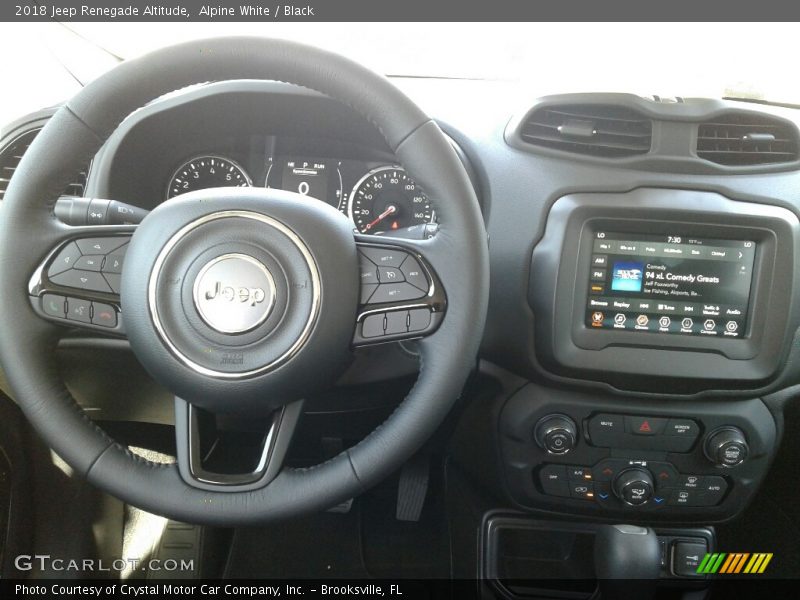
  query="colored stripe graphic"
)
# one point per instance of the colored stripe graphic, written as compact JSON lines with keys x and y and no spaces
{"x":734,"y":562}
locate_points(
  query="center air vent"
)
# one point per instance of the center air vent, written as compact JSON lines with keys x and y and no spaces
{"x":596,"y":129}
{"x":11,"y":154}
{"x":743,"y":139}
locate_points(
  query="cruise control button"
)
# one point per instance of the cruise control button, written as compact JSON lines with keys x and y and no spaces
{"x":373,"y":326}
{"x":84,"y":280}
{"x":53,"y":305}
{"x":384,"y":257}
{"x":396,"y":292}
{"x":414,"y":274}
{"x":89,"y":263}
{"x":100,"y":245}
{"x":644,"y":425}
{"x":396,"y":322}
{"x":114,"y":261}
{"x":418,"y":319}
{"x":65,"y":260}
{"x":104,"y":315}
{"x":79,"y":310}
{"x":367,"y":270}
{"x":390,"y":275}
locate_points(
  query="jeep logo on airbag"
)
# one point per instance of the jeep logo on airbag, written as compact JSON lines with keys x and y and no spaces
{"x":252,"y":296}
{"x":234,"y":293}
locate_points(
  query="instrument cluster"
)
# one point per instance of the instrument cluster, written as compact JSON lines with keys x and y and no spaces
{"x":378,"y":197}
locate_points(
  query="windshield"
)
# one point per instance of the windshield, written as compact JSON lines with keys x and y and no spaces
{"x":667,"y":59}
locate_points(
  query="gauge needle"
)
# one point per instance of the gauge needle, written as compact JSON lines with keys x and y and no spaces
{"x":389,"y":211}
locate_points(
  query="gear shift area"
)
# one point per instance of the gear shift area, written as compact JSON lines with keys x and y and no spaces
{"x":531,"y":558}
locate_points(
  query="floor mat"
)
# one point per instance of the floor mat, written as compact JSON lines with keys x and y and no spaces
{"x":367,"y":542}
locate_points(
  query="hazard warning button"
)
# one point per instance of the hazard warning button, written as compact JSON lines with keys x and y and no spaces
{"x":645,"y":425}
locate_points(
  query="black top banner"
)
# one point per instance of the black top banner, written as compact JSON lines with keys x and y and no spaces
{"x":406,"y":11}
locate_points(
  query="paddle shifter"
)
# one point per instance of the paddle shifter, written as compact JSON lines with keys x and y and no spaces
{"x":627,"y":562}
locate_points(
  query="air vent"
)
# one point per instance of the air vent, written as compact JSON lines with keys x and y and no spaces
{"x":596,"y":129}
{"x":745,"y":139}
{"x":12,"y":154}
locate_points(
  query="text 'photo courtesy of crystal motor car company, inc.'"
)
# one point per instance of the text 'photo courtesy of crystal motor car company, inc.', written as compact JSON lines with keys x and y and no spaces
{"x":334,"y":302}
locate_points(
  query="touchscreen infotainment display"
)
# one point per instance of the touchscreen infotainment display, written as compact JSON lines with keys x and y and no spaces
{"x":670,"y":284}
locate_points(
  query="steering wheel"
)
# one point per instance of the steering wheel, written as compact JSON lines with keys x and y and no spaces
{"x":240,"y":301}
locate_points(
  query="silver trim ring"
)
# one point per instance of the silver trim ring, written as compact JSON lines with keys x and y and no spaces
{"x":186,"y":229}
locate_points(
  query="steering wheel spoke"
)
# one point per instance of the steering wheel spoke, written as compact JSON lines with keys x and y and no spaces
{"x":77,"y":285}
{"x":226,"y":454}
{"x":400,"y":296}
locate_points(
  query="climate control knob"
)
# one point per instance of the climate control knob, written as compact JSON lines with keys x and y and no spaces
{"x":726,"y":447}
{"x":634,"y":486}
{"x":556,"y":433}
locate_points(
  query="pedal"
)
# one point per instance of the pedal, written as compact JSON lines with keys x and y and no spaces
{"x":181,"y":543}
{"x":413,"y":488}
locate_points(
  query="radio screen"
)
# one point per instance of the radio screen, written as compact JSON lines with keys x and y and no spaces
{"x":670,"y":284}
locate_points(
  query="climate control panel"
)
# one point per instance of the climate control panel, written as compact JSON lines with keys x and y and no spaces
{"x":573,"y":452}
{"x":621,"y":483}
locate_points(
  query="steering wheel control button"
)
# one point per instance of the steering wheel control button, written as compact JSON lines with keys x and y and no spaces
{"x":54,"y":305}
{"x":726,"y":447}
{"x":384,"y":257}
{"x":79,"y":310}
{"x":114,"y":261}
{"x":234,"y":293}
{"x":367,"y":270}
{"x":396,"y":322}
{"x":395,"y":292}
{"x":556,"y":434}
{"x":634,"y":486}
{"x":390,"y":275}
{"x":374,"y":326}
{"x":65,"y":260}
{"x":104,"y":315}
{"x":644,"y":425}
{"x":89,"y":263}
{"x":83,"y":280}
{"x":100,"y":245}
{"x":414,"y":274}
{"x":418,"y":319}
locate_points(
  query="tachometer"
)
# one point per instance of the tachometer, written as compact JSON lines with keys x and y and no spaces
{"x":207,"y":172}
{"x":385,"y":199}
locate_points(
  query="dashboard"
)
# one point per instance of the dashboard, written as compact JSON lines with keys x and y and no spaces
{"x":644,"y":296}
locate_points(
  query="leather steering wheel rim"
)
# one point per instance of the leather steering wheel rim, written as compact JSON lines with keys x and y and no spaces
{"x":28,"y":230}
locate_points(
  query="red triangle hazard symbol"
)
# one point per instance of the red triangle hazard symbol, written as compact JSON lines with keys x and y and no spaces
{"x":645,"y":426}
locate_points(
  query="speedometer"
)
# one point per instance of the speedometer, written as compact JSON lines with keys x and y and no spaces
{"x":386,"y":199}
{"x":206,"y":172}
